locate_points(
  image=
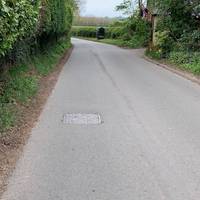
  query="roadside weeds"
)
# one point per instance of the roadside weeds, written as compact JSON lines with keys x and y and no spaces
{"x":183,"y":73}
{"x":12,"y":143}
{"x":115,"y":42}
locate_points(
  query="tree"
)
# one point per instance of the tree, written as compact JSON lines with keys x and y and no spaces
{"x":80,"y":6}
{"x":178,"y":16}
{"x":179,"y":21}
{"x":128,"y":7}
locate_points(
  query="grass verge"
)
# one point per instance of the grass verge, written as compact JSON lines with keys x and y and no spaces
{"x":184,"y":61}
{"x":20,"y":84}
{"x":116,"y":42}
{"x":24,"y":109}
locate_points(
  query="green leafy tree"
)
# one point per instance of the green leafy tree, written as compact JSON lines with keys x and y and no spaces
{"x":179,"y":19}
{"x":128,"y":7}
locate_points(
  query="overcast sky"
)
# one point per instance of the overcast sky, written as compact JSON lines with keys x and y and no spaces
{"x":101,"y":8}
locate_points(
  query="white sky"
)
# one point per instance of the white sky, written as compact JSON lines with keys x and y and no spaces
{"x":101,"y":8}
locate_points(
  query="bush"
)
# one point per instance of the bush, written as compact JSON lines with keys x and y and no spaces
{"x":114,"y":32}
{"x":190,"y":41}
{"x":154,"y":53}
{"x":137,"y":41}
{"x":164,"y":43}
{"x":187,"y":60}
{"x":179,"y":22}
{"x":179,"y":57}
{"x":134,"y":31}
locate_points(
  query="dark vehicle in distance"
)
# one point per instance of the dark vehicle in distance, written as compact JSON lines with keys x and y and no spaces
{"x":101,"y":32}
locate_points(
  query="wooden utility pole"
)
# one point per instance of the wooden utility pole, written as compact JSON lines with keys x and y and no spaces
{"x":151,"y":6}
{"x":140,"y":3}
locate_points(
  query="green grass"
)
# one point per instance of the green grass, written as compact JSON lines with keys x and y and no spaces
{"x":22,"y":82}
{"x":44,"y":63}
{"x":187,"y":61}
{"x":116,"y":42}
{"x":20,"y":89}
{"x":7,"y":117}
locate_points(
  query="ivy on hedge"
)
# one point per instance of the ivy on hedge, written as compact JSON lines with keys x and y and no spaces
{"x":58,"y":16}
{"x":20,"y":21}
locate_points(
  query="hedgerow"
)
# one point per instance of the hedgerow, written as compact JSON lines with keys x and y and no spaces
{"x":21,"y":83}
{"x":133,"y":32}
{"x":34,"y":34}
{"x":84,"y":31}
{"x":26,"y":26}
{"x":18,"y":20}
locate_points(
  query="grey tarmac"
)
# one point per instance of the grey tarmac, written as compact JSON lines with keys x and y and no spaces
{"x":146,"y":148}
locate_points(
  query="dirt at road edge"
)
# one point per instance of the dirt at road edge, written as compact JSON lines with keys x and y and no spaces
{"x":11,"y":145}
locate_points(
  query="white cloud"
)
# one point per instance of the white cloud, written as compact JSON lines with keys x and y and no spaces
{"x":101,"y":8}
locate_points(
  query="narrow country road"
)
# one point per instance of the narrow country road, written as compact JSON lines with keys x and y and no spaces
{"x":147,"y":148}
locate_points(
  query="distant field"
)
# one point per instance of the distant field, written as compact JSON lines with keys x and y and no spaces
{"x":93,"y":21}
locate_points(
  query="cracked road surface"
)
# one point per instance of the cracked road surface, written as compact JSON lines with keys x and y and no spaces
{"x":147,"y":148}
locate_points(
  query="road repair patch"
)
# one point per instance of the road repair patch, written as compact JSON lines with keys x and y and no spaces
{"x":82,"y":119}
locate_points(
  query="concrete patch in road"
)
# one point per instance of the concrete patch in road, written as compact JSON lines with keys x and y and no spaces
{"x":82,"y":119}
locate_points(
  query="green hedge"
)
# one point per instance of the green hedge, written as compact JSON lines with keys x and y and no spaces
{"x":114,"y":32}
{"x":22,"y":82}
{"x":57,"y":17}
{"x":84,"y":31}
{"x":18,"y":20}
{"x":27,"y":26}
{"x":90,"y":31}
{"x":133,"y":32}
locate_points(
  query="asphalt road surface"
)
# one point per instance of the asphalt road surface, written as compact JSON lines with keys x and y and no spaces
{"x":147,"y":146}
